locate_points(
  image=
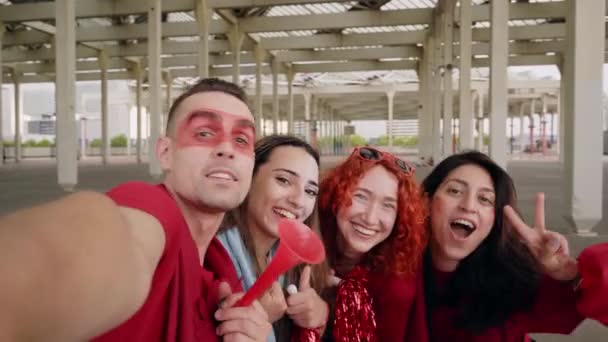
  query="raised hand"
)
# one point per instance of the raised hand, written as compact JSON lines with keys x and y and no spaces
{"x":273,"y":302}
{"x":241,"y":324}
{"x":549,"y":248}
{"x":306,"y":308}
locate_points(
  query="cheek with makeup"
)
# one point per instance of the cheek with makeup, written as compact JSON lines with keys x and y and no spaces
{"x":204,"y":130}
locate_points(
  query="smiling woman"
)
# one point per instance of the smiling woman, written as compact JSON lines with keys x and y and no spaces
{"x":372,"y":219}
{"x":284,"y":185}
{"x":487,"y":275}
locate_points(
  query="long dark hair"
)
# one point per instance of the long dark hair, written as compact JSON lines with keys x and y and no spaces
{"x":238,"y":217}
{"x":497,"y":279}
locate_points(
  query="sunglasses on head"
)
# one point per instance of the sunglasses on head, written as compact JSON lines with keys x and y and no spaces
{"x":371,"y":154}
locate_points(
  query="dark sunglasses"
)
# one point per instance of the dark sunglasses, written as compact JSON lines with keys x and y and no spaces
{"x":371,"y":154}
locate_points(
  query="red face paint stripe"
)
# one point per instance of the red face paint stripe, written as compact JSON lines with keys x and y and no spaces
{"x":211,"y":128}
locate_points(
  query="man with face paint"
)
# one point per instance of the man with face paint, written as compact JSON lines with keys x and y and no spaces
{"x":141,"y":262}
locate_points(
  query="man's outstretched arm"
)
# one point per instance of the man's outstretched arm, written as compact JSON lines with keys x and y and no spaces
{"x":74,"y":268}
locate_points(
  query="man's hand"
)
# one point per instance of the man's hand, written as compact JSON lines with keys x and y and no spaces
{"x":306,"y":308}
{"x":240,"y":324}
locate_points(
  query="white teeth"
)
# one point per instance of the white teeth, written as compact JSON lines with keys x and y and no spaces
{"x":221,"y":175}
{"x":463,"y":222}
{"x":285,"y":213}
{"x":364,"y":231}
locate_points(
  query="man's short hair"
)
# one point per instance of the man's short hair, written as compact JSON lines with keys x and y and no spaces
{"x":203,"y":86}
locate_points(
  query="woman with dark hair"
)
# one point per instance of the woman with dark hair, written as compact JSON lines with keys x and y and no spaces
{"x":372,"y":221}
{"x":284,"y":185}
{"x":490,"y":277}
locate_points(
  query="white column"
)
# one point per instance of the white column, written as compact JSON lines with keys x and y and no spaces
{"x":390,"y":95}
{"x":154,"y":80}
{"x":275,"y":96}
{"x":259,"y":111}
{"x":18,"y":117}
{"x":307,"y":118}
{"x":320,"y":116}
{"x":168,"y":95}
{"x":436,"y":90}
{"x":448,"y":89}
{"x":290,"y":75}
{"x":203,"y":18}
{"x":480,"y":129}
{"x":585,"y":34}
{"x":105,"y":141}
{"x":236,"y":41}
{"x":522,"y":128}
{"x":499,"y":55}
{"x":466,"y":106}
{"x":1,"y":113}
{"x":138,"y":92}
{"x":425,"y":112}
{"x":65,"y":93}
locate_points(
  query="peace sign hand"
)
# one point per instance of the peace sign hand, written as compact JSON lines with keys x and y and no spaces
{"x":549,"y":248}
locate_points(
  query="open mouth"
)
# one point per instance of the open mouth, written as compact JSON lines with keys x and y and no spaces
{"x":225,"y":175}
{"x":284,"y":213}
{"x":462,"y":228}
{"x":363,"y":230}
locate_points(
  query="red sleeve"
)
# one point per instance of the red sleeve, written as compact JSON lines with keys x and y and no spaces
{"x":593,"y":292}
{"x":417,"y":328}
{"x":154,"y":200}
{"x":560,"y":309}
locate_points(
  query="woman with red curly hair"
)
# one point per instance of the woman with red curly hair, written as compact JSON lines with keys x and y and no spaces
{"x":372,"y":218}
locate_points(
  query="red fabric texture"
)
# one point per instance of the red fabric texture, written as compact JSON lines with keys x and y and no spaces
{"x":558,"y":308}
{"x":183,"y":295}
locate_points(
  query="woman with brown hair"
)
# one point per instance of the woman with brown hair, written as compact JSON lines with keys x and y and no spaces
{"x":372,"y":217}
{"x":284,"y":185}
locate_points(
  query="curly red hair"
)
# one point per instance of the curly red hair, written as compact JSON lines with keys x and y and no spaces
{"x":401,"y":252}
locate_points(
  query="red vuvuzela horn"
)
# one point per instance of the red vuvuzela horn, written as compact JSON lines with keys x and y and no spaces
{"x":297,"y":244}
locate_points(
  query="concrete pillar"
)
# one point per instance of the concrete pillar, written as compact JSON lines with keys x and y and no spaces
{"x":543,"y":126}
{"x":499,"y":59}
{"x":138,"y":92}
{"x":531,"y":126}
{"x":275,"y":96}
{"x":259,"y":111}
{"x":65,"y":93}
{"x":154,"y":80}
{"x":448,"y":89}
{"x":2,"y":29}
{"x":522,"y":139}
{"x":425,"y":112}
{"x":290,"y":75}
{"x":168,"y":79}
{"x":235,"y":37}
{"x":390,"y":95}
{"x":480,"y":128}
{"x":320,"y":111}
{"x":585,"y":34}
{"x":465,"y":107}
{"x":18,"y":115}
{"x":435,"y":90}
{"x":203,"y":19}
{"x":105,"y":140}
{"x":307,"y":118}
{"x":512,"y":135}
{"x":314,"y":122}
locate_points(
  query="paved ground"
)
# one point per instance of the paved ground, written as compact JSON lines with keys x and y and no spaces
{"x":34,"y":181}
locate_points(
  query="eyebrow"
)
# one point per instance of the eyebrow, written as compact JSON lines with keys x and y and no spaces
{"x":295,"y":174}
{"x":218,"y":117}
{"x":460,"y":181}
{"x":369,"y":192}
